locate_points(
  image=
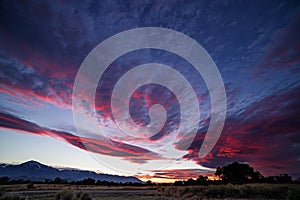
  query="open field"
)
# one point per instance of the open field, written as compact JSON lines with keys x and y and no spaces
{"x":83,"y":192}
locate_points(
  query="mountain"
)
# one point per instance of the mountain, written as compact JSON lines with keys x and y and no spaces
{"x":36,"y":171}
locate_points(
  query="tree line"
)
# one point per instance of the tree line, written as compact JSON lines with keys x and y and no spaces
{"x":88,"y":181}
{"x":234,"y":173}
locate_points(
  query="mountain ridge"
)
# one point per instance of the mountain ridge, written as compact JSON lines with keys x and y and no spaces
{"x":36,"y":171}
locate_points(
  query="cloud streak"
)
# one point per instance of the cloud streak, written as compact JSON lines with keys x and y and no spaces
{"x":100,"y":146}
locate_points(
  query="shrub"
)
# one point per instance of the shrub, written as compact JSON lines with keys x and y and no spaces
{"x":71,"y":195}
{"x":30,"y":186}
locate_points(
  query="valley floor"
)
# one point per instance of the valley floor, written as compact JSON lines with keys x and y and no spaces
{"x":82,"y":192}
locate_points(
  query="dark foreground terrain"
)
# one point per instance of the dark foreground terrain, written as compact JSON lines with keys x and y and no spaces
{"x":76,"y":192}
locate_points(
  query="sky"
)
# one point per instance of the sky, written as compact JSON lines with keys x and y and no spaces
{"x":254,"y":44}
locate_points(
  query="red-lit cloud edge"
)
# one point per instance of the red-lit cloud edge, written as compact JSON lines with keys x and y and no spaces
{"x":266,"y":134}
{"x":100,"y":146}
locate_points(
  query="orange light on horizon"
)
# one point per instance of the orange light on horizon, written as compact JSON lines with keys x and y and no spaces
{"x":146,"y":178}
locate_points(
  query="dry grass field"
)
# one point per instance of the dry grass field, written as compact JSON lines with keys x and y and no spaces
{"x":82,"y":192}
{"x":247,"y":191}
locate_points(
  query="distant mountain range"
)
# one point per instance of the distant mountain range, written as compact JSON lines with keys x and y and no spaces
{"x":36,"y":171}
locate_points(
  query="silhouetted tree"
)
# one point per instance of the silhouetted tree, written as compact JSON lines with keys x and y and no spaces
{"x":283,"y":178}
{"x":30,"y":186}
{"x":4,"y":180}
{"x":150,"y":183}
{"x":59,"y":180}
{"x":237,"y":173}
{"x":202,"y":180}
{"x":178,"y":183}
{"x":47,"y":180}
{"x":190,"y":181}
{"x":89,"y":181}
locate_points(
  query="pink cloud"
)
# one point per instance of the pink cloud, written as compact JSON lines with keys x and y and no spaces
{"x":102,"y":145}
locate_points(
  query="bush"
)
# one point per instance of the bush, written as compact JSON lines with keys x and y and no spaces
{"x":71,"y":195}
{"x":30,"y":186}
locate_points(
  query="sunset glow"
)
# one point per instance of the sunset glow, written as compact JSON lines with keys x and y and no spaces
{"x":255,"y":48}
